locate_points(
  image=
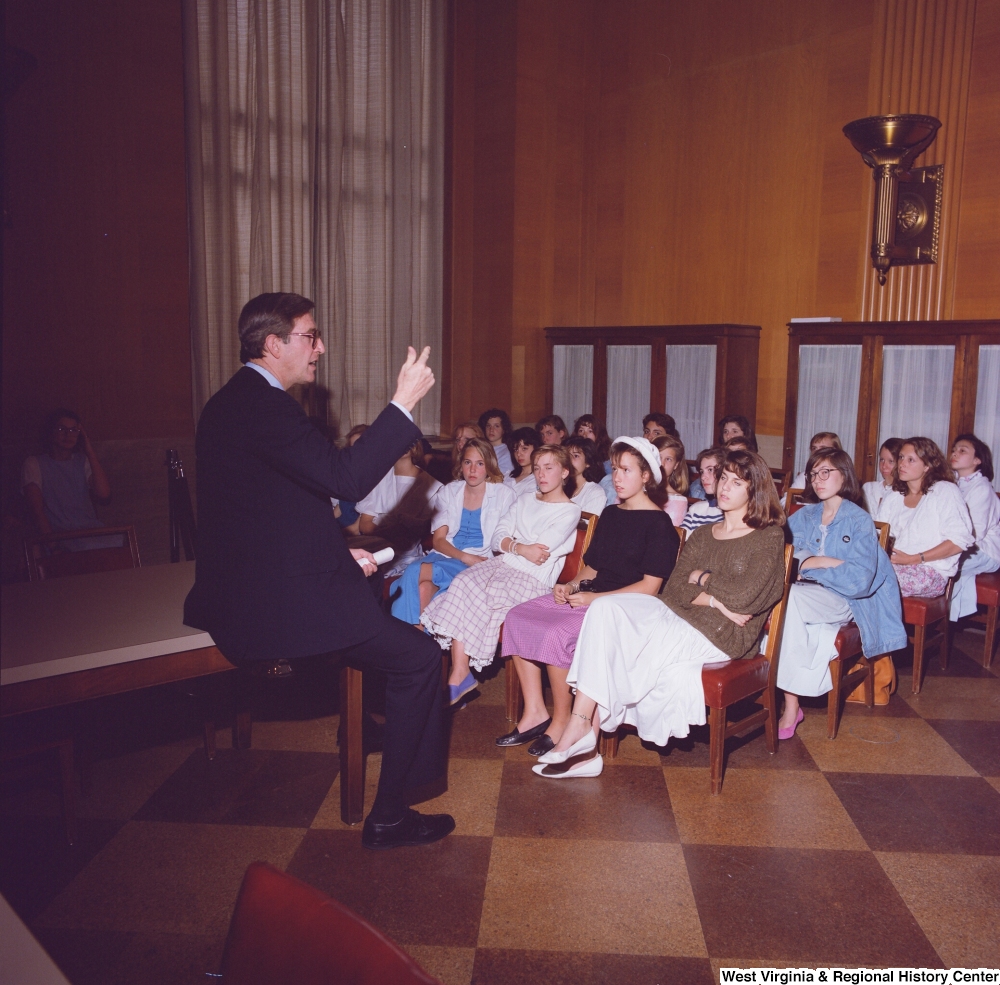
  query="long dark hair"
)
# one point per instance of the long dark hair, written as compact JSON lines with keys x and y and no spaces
{"x":928,"y":453}
{"x":523,"y":436}
{"x":651,"y":486}
{"x":743,"y":424}
{"x":763,"y":506}
{"x":594,"y":470}
{"x":981,"y":450}
{"x":600,"y":431}
{"x":484,"y":419}
{"x":842,"y":462}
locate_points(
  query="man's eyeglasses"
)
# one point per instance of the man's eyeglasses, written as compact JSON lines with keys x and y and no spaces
{"x":823,"y":474}
{"x":312,"y":336}
{"x":64,"y":430}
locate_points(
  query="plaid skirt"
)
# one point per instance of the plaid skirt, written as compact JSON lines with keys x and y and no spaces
{"x":475,"y":605}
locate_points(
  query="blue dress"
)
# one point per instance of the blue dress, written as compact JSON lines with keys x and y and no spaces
{"x":443,"y":568}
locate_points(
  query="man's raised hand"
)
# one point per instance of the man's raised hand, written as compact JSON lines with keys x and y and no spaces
{"x":415,"y":378}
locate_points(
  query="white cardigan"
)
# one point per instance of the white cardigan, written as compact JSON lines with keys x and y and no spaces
{"x":533,"y":521}
{"x":497,"y":500}
{"x":984,"y":506}
{"x":940,"y":515}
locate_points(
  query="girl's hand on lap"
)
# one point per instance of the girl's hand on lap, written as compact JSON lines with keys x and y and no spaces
{"x":898,"y":557}
{"x":579,"y":599}
{"x":741,"y":619}
{"x":471,"y":559}
{"x":535,"y":553}
{"x":561,"y":593}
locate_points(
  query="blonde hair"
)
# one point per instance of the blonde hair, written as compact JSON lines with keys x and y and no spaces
{"x":678,"y":480}
{"x":833,"y":442}
{"x":456,"y":449}
{"x":493,"y":473}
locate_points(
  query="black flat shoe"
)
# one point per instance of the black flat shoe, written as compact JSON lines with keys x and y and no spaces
{"x":412,"y":829}
{"x":541,"y":745}
{"x":516,"y":738}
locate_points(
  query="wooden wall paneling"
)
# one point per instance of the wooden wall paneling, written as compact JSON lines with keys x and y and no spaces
{"x":658,"y":378}
{"x":960,"y":390}
{"x":791,"y":403}
{"x":869,"y":408}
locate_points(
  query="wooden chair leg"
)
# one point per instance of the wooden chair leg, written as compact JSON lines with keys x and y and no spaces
{"x":945,"y":642}
{"x":716,"y":746}
{"x":769,"y":699}
{"x":919,"y":638}
{"x":512,"y":685}
{"x":869,"y":680}
{"x":991,"y":634}
{"x":68,"y":789}
{"x":607,"y":744}
{"x":352,"y":757}
{"x":833,"y":699}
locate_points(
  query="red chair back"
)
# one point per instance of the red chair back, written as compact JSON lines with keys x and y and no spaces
{"x":285,"y":931}
{"x":574,"y":560}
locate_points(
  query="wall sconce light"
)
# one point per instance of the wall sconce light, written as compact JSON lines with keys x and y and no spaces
{"x":907,"y":200}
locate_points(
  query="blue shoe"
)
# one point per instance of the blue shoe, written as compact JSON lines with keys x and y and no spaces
{"x":457,"y":691}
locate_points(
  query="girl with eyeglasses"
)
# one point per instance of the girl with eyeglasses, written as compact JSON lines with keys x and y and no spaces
{"x":62,"y":485}
{"x":843,"y":574}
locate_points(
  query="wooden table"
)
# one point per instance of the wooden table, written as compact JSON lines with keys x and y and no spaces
{"x":89,"y":636}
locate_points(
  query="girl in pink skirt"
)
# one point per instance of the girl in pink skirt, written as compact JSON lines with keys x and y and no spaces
{"x":633,"y":550}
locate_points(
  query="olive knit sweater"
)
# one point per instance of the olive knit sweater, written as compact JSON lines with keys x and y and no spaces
{"x":747,"y":577}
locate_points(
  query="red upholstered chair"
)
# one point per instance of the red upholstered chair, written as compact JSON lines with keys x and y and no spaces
{"x":574,"y":561}
{"x":284,"y":931}
{"x":737,"y":680}
{"x":848,"y":644}
{"x":988,"y":594}
{"x":931,"y":627}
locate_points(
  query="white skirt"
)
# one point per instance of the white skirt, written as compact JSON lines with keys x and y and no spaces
{"x":813,"y":618}
{"x":641,"y":663}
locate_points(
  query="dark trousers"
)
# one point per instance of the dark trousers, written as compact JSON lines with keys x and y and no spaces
{"x":415,"y":743}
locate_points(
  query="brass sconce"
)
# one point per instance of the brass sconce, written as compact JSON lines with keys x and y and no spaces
{"x":907,"y":200}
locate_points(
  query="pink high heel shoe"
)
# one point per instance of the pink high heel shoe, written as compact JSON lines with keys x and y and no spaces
{"x":787,"y":733}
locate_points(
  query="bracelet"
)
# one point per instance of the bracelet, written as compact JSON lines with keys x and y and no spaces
{"x":702,"y":577}
{"x":512,"y":549}
{"x":711,"y":601}
{"x":922,"y":561}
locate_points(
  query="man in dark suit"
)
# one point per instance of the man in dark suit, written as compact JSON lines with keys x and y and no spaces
{"x":274,"y":577}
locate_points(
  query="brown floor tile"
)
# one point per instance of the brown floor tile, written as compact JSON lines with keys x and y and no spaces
{"x":493,"y":689}
{"x":451,"y":965}
{"x":946,"y":814}
{"x":958,"y":697}
{"x":978,"y":743}
{"x":107,"y":957}
{"x":628,"y":897}
{"x":36,"y":864}
{"x":965,"y":657}
{"x":430,"y":895}
{"x":881,"y":746}
{"x":306,"y":735}
{"x":512,"y":967}
{"x":954,"y":898}
{"x":776,"y":808}
{"x":808,"y":906}
{"x":627,"y":803}
{"x":328,"y":815}
{"x":896,"y":708}
{"x":748,"y":750}
{"x":475,"y":729}
{"x":993,"y":781}
{"x":161,"y":878}
{"x":253,"y":786}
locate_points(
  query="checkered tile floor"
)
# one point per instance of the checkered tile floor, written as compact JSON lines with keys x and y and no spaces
{"x":879,"y":848}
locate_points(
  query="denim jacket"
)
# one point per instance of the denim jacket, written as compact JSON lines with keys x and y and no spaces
{"x":866,"y":580}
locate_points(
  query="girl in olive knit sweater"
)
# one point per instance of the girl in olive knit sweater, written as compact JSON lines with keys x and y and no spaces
{"x":639,"y":659}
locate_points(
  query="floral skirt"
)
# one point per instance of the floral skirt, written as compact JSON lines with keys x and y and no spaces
{"x":919,"y":581}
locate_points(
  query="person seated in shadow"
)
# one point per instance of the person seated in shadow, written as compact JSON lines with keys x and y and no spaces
{"x":62,"y":485}
{"x":495,"y":425}
{"x":467,"y":515}
{"x":633,"y":549}
{"x":972,"y":461}
{"x":521,"y":479}
{"x":639,"y":658}
{"x":400,"y":507}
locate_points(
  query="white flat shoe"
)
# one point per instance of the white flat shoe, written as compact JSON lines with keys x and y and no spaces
{"x":586,"y":767}
{"x":588,"y":743}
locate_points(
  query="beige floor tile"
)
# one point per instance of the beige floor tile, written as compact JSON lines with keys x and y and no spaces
{"x":764,"y":808}
{"x":159,"y":877}
{"x":328,"y":815}
{"x":308,"y":735}
{"x":975,"y":698}
{"x":452,"y":965}
{"x":881,"y":745}
{"x":954,"y":898}
{"x":629,"y":898}
{"x":993,"y":781}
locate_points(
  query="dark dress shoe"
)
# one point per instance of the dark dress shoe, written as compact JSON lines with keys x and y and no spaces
{"x":412,"y":829}
{"x":516,"y":738}
{"x":541,"y":745}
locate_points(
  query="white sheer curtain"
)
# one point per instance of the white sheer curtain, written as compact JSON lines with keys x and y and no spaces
{"x":829,"y":384}
{"x":629,"y":368}
{"x":315,"y":155}
{"x":572,"y":381}
{"x":691,"y":394}
{"x":988,"y":404}
{"x":916,"y":392}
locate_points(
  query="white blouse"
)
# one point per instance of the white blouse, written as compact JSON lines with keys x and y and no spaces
{"x":984,"y":507}
{"x":497,"y":500}
{"x":591,"y":498}
{"x":533,"y":521}
{"x":527,"y":483}
{"x":875,"y":492}
{"x":940,"y":515}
